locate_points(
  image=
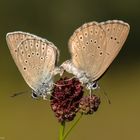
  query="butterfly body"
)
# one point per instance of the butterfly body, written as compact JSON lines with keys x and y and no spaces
{"x":83,"y":77}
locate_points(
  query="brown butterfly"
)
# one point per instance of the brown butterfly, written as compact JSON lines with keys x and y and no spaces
{"x":93,"y":47}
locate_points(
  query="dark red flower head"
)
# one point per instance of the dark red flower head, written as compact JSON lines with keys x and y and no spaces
{"x":89,"y":104}
{"x":65,"y":99}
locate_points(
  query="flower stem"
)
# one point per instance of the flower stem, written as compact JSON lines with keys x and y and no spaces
{"x":66,"y":134}
{"x":62,"y":129}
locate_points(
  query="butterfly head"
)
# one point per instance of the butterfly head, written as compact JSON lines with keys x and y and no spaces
{"x":92,"y":85}
{"x":43,"y":90}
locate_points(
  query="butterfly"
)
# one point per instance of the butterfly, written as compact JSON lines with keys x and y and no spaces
{"x":36,"y":59}
{"x":93,"y":47}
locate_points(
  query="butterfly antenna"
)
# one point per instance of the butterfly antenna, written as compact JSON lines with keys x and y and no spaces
{"x":18,"y":93}
{"x":48,"y":99}
{"x":58,"y":85}
{"x":70,"y":78}
{"x":65,"y":80}
{"x":106,"y":96}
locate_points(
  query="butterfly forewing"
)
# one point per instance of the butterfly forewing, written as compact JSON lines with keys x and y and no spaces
{"x":14,"y":38}
{"x":87,"y":46}
{"x":35,"y":59}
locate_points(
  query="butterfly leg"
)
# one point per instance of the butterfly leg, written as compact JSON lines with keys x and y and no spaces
{"x":67,"y":66}
{"x":58,"y":70}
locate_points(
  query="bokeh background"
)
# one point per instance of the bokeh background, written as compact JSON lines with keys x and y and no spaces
{"x":24,"y":118}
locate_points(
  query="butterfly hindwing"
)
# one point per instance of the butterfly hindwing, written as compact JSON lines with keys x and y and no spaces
{"x":87,"y":46}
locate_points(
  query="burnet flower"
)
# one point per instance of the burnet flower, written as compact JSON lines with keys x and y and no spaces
{"x":68,"y":98}
{"x":65,"y":99}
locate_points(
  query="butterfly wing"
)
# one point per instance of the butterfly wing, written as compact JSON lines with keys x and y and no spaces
{"x":116,"y":34}
{"x":92,"y":47}
{"x":14,"y":39}
{"x":87,"y":46}
{"x":35,"y":58}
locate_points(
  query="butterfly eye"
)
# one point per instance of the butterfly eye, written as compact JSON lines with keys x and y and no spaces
{"x":34,"y":95}
{"x":94,"y":85}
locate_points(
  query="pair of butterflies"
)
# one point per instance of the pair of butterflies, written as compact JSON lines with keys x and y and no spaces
{"x":93,"y":47}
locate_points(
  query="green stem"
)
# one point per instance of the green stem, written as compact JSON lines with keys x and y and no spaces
{"x":66,"y":134}
{"x":62,"y":130}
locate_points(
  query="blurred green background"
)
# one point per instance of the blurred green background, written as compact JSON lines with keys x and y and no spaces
{"x":24,"y":118}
